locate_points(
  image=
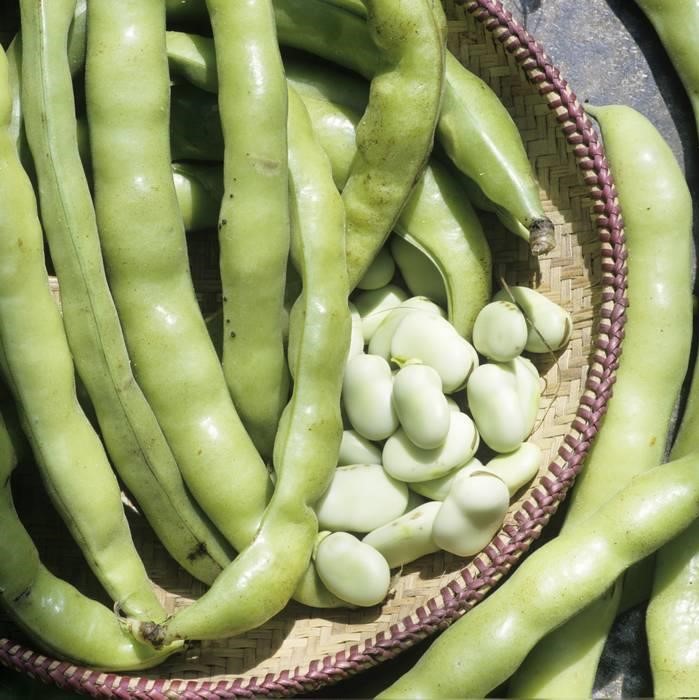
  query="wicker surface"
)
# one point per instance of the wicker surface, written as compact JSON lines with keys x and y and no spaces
{"x":302,"y":648}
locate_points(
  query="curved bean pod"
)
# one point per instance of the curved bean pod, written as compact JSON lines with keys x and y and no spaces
{"x":484,"y":647}
{"x":58,"y":618}
{"x":672,"y":617}
{"x":382,"y":176}
{"x":144,"y":248}
{"x":37,"y":364}
{"x":264,"y":576}
{"x":677,"y":24}
{"x":635,"y":429}
{"x":253,"y":227}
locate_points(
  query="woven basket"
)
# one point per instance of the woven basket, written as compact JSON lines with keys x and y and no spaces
{"x":303,"y":649}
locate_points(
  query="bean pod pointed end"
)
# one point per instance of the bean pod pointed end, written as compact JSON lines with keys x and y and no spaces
{"x":542,"y":238}
{"x":150,"y":633}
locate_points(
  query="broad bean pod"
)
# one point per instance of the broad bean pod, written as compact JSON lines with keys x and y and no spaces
{"x":144,"y":247}
{"x":633,"y":435}
{"x":474,"y":128}
{"x":382,"y":174}
{"x":253,"y":225}
{"x":672,"y":617}
{"x":36,"y":358}
{"x":677,"y":25}
{"x":264,"y":576}
{"x":61,"y":620}
{"x":484,"y":647}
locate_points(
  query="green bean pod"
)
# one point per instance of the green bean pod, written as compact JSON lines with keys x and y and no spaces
{"x":58,"y":618}
{"x":657,"y":209}
{"x":144,"y":247}
{"x":265,"y":575}
{"x":677,"y":24}
{"x":254,"y":215}
{"x":484,"y":647}
{"x":382,"y":175}
{"x":38,"y":367}
{"x":132,"y":436}
{"x":672,"y":617}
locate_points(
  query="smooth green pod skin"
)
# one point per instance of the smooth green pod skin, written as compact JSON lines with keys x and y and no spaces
{"x":517,"y":468}
{"x":253,"y":227}
{"x":57,"y":617}
{"x":76,"y":60}
{"x":420,"y":274}
{"x":672,"y":616}
{"x":434,"y":341}
{"x":380,"y":272}
{"x":421,"y":406}
{"x":484,"y":647}
{"x":367,"y":390}
{"x":96,"y":518}
{"x":549,"y":325}
{"x":633,"y":435}
{"x":442,"y":224}
{"x":360,"y":498}
{"x":144,"y":247}
{"x":438,"y":489}
{"x":352,"y":570}
{"x":471,"y":514}
{"x":264,"y":576}
{"x":473,"y":127}
{"x":403,"y":460}
{"x":380,"y":343}
{"x":193,"y":58}
{"x":677,"y":25}
{"x":411,"y":64}
{"x":354,"y":449}
{"x":500,"y":331}
{"x":406,"y":538}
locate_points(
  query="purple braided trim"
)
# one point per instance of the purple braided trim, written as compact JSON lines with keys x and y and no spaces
{"x":507,"y":548}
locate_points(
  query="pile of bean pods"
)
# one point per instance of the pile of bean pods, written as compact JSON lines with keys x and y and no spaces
{"x":227,"y":429}
{"x":360,"y":398}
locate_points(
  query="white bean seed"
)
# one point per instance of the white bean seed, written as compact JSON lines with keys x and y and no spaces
{"x":360,"y":498}
{"x":352,"y":570}
{"x":403,"y":460}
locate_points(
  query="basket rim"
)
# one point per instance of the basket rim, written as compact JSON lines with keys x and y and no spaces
{"x":511,"y":543}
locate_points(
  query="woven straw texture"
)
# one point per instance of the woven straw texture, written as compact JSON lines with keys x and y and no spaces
{"x":303,"y":648}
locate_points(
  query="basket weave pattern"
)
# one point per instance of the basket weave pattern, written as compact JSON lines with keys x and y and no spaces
{"x":297,"y":652}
